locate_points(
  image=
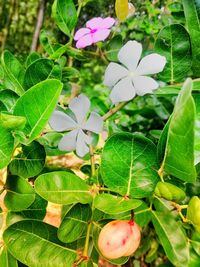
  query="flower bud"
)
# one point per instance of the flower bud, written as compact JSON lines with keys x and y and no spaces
{"x":193,"y":212}
{"x":118,"y":239}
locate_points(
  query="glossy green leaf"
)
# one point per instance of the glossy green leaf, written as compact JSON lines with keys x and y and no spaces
{"x":63,"y":188}
{"x":46,"y":39}
{"x":74,"y":224}
{"x":112,"y":204}
{"x":39,"y":243}
{"x":172,"y":238}
{"x":64,"y":14}
{"x":6,"y":146}
{"x":173,"y":42}
{"x":37,"y":210}
{"x":196,"y":246}
{"x":192,"y":15}
{"x":32,"y":58}
{"x":13,"y":72}
{"x":6,"y":259}
{"x":20,"y":194}
{"x":38,"y":71}
{"x":29,"y":162}
{"x":8,"y":98}
{"x":179,"y":154}
{"x":197,"y":129}
{"x":12,"y":122}
{"x":129,"y":165}
{"x":37,"y":105}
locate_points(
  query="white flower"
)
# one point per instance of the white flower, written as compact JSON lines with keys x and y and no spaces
{"x":130,"y":79}
{"x":76,"y":139}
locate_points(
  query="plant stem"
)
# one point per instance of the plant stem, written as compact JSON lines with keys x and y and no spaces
{"x":92,"y":160}
{"x":141,"y":211}
{"x":161,"y":172}
{"x":87,"y":239}
{"x":114,"y":110}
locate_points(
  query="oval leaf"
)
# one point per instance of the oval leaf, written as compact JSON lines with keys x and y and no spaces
{"x":6,"y":146}
{"x":37,"y":105}
{"x":129,"y":165}
{"x":63,"y":188}
{"x":39,"y":244}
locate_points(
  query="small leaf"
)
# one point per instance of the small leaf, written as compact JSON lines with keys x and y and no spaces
{"x":6,"y":146}
{"x":172,"y":238}
{"x":38,"y":71}
{"x":12,"y":122}
{"x":121,"y":9}
{"x":129,"y":165}
{"x":32,"y":58}
{"x":63,"y":188}
{"x":29,"y":162}
{"x":74,"y":224}
{"x":173,"y":42}
{"x":8,"y":98}
{"x":20,"y":194}
{"x":112,"y":204}
{"x":179,"y":152}
{"x":39,"y":243}
{"x":46,"y":39}
{"x":13,"y":73}
{"x":113,"y":48}
{"x":64,"y":14}
{"x":37,"y":105}
{"x":197,"y":129}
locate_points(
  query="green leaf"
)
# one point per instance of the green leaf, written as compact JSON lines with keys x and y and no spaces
{"x":64,"y":14}
{"x":172,"y":238}
{"x":13,"y":72}
{"x":8,"y":98}
{"x":197,"y":129}
{"x":179,"y":153}
{"x":29,"y":162}
{"x":39,"y":244}
{"x":196,"y":246}
{"x":31,"y":58}
{"x":6,"y":146}
{"x":129,"y":165}
{"x":173,"y":42}
{"x":113,"y":48}
{"x":192,"y":15}
{"x":6,"y":259}
{"x":46,"y":39}
{"x":38,"y":71}
{"x":37,"y":210}
{"x":63,"y":188}
{"x":74,"y":224}
{"x":37,"y":105}
{"x":20,"y":194}
{"x":112,"y":204}
{"x":12,"y":122}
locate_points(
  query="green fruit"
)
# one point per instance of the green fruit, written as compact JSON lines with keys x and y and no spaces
{"x":169,"y":191}
{"x":193,"y":212}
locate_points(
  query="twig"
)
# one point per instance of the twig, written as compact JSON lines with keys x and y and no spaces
{"x":114,"y":110}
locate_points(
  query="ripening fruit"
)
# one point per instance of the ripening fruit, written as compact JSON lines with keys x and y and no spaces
{"x":118,"y":239}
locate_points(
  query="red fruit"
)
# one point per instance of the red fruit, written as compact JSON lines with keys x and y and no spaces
{"x":119,"y":238}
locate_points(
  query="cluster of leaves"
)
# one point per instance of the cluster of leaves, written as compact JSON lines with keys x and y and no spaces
{"x":165,"y":145}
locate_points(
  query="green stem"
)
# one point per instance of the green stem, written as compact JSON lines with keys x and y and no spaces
{"x":161,"y":172}
{"x":142,"y":211}
{"x":92,"y":160}
{"x":114,"y":110}
{"x":87,"y":240}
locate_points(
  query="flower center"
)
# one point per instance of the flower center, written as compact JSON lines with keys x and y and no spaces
{"x":132,"y":74}
{"x":93,"y":30}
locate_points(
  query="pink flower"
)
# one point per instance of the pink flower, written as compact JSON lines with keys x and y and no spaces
{"x":98,"y":29}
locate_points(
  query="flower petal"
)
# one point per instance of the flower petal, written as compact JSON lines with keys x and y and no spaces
{"x":84,"y":41}
{"x":60,"y":122}
{"x":80,"y":106}
{"x":144,"y":85}
{"x":107,"y":23}
{"x":130,"y":54}
{"x":68,"y":142}
{"x":114,"y":72}
{"x":123,"y":91}
{"x":151,"y":64}
{"x":80,"y":33}
{"x":94,"y":123}
{"x":94,"y":23}
{"x":81,"y":146}
{"x":100,"y":35}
